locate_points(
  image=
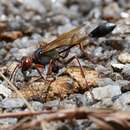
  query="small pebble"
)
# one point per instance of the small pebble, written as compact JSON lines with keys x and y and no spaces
{"x":111,"y":11}
{"x":52,"y":104}
{"x":124,"y":57}
{"x":4,"y":91}
{"x":79,"y":99}
{"x":102,"y":70}
{"x":126,"y":71}
{"x":105,"y":82}
{"x":98,"y":52}
{"x":122,"y":83}
{"x":8,"y":121}
{"x":104,"y":103}
{"x":37,"y":106}
{"x":123,"y":102}
{"x":35,"y":5}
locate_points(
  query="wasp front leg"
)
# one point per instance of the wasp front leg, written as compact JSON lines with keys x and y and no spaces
{"x":37,"y":67}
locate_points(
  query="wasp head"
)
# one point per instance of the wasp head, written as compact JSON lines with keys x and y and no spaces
{"x":26,"y":63}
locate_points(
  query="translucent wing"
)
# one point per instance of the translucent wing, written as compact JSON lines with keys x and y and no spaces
{"x":73,"y":37}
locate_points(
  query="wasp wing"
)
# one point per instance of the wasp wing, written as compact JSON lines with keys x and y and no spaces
{"x":73,"y":37}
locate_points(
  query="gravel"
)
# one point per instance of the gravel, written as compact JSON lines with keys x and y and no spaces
{"x":45,"y":20}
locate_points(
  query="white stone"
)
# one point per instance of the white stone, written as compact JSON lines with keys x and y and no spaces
{"x":122,"y":103}
{"x":124,"y":57}
{"x":4,"y":91}
{"x":117,"y":66}
{"x":108,"y":91}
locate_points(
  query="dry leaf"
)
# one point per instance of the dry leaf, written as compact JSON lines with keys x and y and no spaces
{"x":62,"y":86}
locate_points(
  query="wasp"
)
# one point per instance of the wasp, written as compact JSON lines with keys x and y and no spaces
{"x":47,"y":53}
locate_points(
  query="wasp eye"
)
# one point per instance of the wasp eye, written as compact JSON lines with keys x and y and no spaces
{"x":39,"y":52}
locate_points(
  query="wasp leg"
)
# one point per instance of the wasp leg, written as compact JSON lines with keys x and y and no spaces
{"x":67,"y":50}
{"x":37,"y":66}
{"x":83,"y":75}
{"x":49,"y":71}
{"x":65,"y":63}
{"x":48,"y":89}
{"x":82,"y":72}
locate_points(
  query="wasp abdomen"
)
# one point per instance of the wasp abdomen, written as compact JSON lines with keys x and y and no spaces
{"x":102,"y":30}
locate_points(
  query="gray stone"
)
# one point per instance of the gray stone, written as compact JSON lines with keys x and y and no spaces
{"x":122,"y":82}
{"x":60,"y":19}
{"x":101,"y":69}
{"x":37,"y":106}
{"x":10,"y":103}
{"x":66,"y":104}
{"x":36,"y":37}
{"x":104,"y":103}
{"x":79,"y":99}
{"x":85,"y":5}
{"x":35,"y":5}
{"x":126,"y":71}
{"x":76,"y":100}
{"x":52,"y":104}
{"x":108,"y":91}
{"x":105,"y":82}
{"x":19,"y":53}
{"x":123,"y":102}
{"x":56,"y":6}
{"x":98,"y":52}
{"x":8,"y":121}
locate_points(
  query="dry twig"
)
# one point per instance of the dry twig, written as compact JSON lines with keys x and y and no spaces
{"x":104,"y":119}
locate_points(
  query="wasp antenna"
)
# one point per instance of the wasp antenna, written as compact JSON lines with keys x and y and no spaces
{"x":13,"y":73}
